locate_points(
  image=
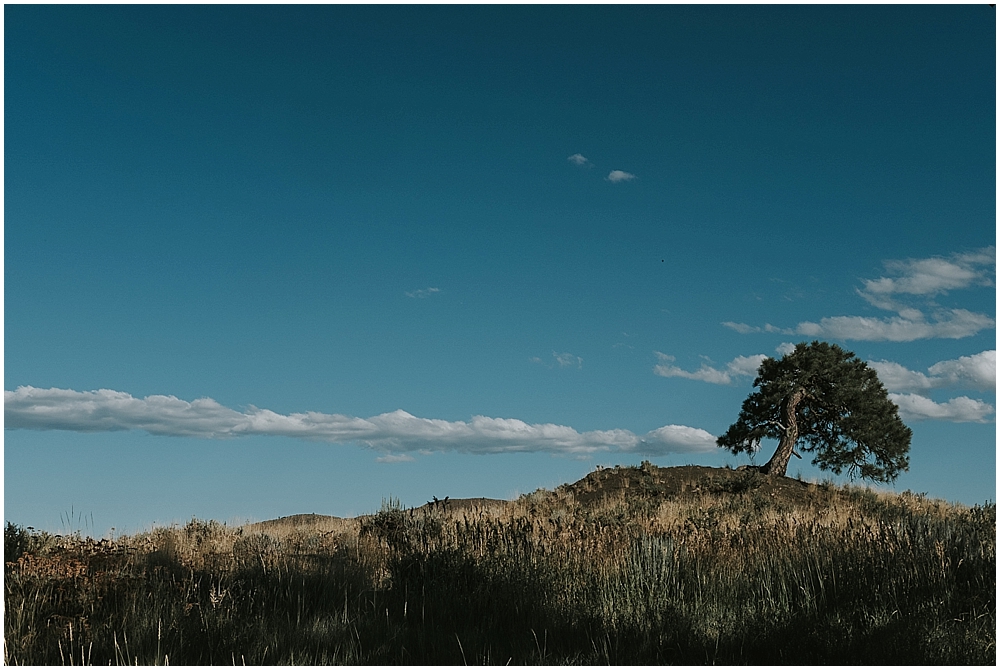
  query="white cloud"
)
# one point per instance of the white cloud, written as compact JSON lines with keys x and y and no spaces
{"x":745,"y":329}
{"x":579,"y":159}
{"x":978,"y":371}
{"x":951,"y":324}
{"x":932,"y":276}
{"x":895,"y":377}
{"x":567,"y":360}
{"x":785,"y":348}
{"x":104,"y":410}
{"x":962,"y":409}
{"x":924,"y":278}
{"x":395,"y":458}
{"x":741,"y":328}
{"x":394,"y":433}
{"x":741,"y":366}
{"x":745,"y":366}
{"x":616,"y":176}
{"x":705,"y":373}
{"x":422,"y":292}
{"x":672,"y":439}
{"x":563,"y":360}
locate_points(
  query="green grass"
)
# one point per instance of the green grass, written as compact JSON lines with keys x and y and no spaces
{"x":732,"y":575}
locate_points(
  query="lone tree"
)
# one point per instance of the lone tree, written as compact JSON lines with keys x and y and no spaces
{"x":827,"y":401}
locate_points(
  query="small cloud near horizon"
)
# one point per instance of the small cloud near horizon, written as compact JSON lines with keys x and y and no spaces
{"x":580,"y":160}
{"x":395,"y":434}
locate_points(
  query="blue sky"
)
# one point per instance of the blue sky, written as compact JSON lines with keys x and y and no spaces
{"x":262,"y":261}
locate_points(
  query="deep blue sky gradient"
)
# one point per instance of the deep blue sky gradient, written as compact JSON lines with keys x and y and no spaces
{"x":233,"y":202}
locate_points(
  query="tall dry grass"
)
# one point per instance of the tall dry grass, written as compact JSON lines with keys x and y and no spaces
{"x":732,"y":575}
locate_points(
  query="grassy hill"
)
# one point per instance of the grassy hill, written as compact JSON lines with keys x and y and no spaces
{"x":637,"y":565}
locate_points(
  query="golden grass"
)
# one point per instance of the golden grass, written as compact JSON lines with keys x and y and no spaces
{"x":729,"y":567}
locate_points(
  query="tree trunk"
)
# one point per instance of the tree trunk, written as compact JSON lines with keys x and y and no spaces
{"x":786,"y":446}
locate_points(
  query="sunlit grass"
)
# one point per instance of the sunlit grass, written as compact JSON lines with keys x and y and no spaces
{"x":728,"y":575}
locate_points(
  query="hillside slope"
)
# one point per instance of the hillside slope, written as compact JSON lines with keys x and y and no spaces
{"x":686,"y":483}
{"x":628,"y":566}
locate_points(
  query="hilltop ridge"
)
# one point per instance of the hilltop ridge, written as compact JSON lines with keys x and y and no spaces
{"x":601,"y":486}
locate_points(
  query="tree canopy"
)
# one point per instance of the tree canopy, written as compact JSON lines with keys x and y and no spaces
{"x":826,"y":401}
